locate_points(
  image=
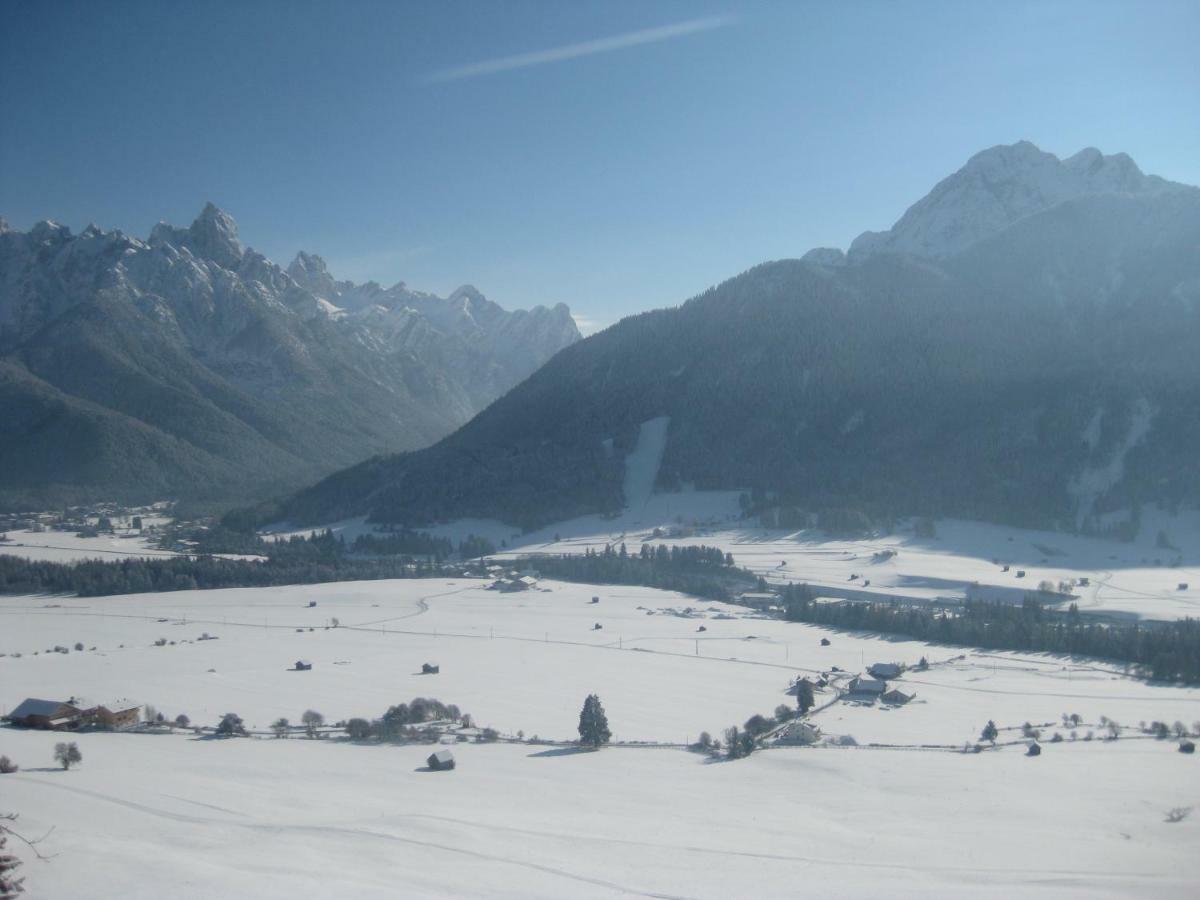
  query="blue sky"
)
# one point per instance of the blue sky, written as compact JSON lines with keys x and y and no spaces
{"x":616,"y":156}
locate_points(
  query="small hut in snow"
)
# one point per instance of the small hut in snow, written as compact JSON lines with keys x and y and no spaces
{"x":430,"y":668}
{"x":303,"y":665}
{"x":441,"y":761}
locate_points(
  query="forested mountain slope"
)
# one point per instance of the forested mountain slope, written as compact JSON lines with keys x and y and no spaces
{"x":1042,"y":374}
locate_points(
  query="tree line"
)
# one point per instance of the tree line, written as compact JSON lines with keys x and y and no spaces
{"x":1167,"y":651}
{"x":95,"y":578}
{"x":702,"y":571}
{"x":318,"y":558}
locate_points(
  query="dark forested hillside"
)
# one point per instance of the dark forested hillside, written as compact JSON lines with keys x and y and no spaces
{"x":1040,"y":376}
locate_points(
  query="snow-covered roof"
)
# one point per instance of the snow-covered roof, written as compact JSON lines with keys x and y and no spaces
{"x":863,"y":684}
{"x":124,"y":704}
{"x":35,"y":707}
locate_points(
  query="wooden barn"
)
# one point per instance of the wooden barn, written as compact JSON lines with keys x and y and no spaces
{"x":50,"y":715}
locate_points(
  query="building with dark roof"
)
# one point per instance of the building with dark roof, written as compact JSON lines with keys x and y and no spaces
{"x":51,"y":715}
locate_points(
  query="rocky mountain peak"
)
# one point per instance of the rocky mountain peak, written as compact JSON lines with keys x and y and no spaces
{"x":310,"y":271}
{"x":994,"y":189}
{"x":214,"y":236}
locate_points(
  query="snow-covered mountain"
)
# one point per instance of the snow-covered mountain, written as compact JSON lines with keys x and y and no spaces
{"x":188,"y":364}
{"x":1020,"y":347}
{"x":998,"y":187}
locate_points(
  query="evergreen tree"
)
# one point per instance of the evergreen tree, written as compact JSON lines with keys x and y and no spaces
{"x":804,"y":695}
{"x":990,"y":732}
{"x":593,"y":723}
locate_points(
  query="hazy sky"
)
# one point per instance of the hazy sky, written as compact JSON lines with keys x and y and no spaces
{"x":614,"y":156}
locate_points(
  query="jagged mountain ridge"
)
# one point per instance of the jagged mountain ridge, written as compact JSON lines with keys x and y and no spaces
{"x":1001,"y":380}
{"x":188,"y":365}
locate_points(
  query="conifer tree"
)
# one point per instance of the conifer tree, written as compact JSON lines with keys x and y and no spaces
{"x":593,"y":723}
{"x":804,"y":695}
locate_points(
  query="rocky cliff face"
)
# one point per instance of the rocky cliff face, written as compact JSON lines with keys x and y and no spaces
{"x":189,"y":365}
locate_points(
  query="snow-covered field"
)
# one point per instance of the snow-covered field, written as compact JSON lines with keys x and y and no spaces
{"x":1138,"y":579}
{"x":171,"y":816}
{"x":64,"y":546}
{"x":148,"y":815}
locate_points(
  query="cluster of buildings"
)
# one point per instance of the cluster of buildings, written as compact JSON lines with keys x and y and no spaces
{"x":74,"y":714}
{"x":510,"y":581}
{"x":874,"y":685}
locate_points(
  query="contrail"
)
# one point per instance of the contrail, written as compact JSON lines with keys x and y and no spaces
{"x":586,"y":48}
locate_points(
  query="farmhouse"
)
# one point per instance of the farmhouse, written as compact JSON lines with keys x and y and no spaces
{"x":51,"y":715}
{"x":829,"y":601}
{"x":441,"y":761}
{"x":884,"y":671}
{"x":865,"y":686}
{"x":114,"y":714}
{"x":512,"y":584}
{"x":801,"y":733}
{"x":758,"y":600}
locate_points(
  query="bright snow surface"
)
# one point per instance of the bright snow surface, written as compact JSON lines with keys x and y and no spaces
{"x":271,"y":818}
{"x":1139,"y":579}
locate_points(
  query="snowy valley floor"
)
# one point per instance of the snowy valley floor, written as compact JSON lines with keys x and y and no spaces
{"x":1137,"y":579}
{"x":192,"y":816}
